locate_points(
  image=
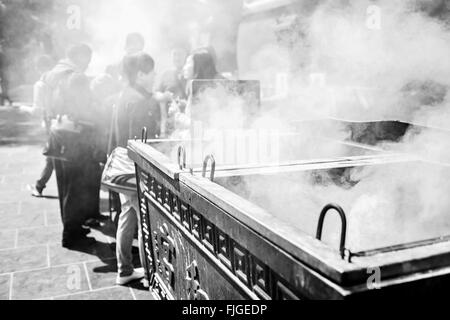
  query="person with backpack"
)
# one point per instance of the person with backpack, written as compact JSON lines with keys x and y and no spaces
{"x":72,"y":144}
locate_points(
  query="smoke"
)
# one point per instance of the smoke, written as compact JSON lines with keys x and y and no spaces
{"x":163,"y":23}
{"x":105,"y":25}
{"x":381,"y":209}
{"x":350,"y":59}
{"x":361,"y":61}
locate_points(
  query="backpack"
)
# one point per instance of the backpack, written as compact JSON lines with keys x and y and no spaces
{"x":67,"y":140}
{"x":54,"y":94}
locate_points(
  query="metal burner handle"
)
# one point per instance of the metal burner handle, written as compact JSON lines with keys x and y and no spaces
{"x":209,"y":158}
{"x":344,"y":225}
{"x":182,"y":157}
{"x":144,"y":136}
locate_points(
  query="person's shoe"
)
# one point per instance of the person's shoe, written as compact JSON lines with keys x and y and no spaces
{"x":35,"y":192}
{"x":77,"y":243}
{"x":146,"y":283}
{"x":136,"y":275}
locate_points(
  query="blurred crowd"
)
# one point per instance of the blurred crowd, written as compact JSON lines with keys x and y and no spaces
{"x":90,"y":120}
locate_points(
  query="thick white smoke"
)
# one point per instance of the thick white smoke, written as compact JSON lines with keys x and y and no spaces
{"x":375,"y":60}
{"x":361,"y":55}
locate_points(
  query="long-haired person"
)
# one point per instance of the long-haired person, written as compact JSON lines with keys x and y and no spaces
{"x":200,"y":65}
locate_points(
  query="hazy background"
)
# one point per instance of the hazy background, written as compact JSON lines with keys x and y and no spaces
{"x":351,"y":59}
{"x":260,"y":39}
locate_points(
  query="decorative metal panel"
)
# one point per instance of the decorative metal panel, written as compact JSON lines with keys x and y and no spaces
{"x":246,"y":268}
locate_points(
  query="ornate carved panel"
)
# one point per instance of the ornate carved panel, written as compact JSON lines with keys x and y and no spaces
{"x":157,"y":288}
{"x":165,"y":254}
{"x":223,"y":248}
{"x":208,"y":237}
{"x":193,"y":287}
{"x":185,"y":216}
{"x":175,"y":205}
{"x":144,"y":216}
{"x":241,"y":263}
{"x":261,"y":279}
{"x":151,"y":187}
{"x":166,"y":198}
{"x":250,"y":271}
{"x":159,"y":192}
{"x":196,"y":224}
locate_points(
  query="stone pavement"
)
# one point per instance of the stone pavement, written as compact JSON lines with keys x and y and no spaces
{"x":33,"y":265}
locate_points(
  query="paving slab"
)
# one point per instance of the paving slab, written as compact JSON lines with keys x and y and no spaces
{"x":33,"y":265}
{"x":49,"y":282}
{"x":5,"y":284}
{"x":115,"y":293}
{"x":13,"y":260}
{"x":39,"y":235}
{"x":13,"y":220}
{"x":97,"y":252}
{"x":9,"y":207}
{"x":102,"y":274}
{"x":7,"y":239}
{"x":53,"y":218}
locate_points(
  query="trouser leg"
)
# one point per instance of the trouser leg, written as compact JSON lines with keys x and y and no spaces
{"x":72,"y":201}
{"x":140,"y":237}
{"x":59,"y":172}
{"x":125,"y":234}
{"x":92,"y":190}
{"x":45,"y":175}
{"x":135,"y":206}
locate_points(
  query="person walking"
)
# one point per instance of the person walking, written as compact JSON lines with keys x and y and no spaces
{"x":41,"y":92}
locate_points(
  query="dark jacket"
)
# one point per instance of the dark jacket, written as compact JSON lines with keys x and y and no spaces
{"x":137,"y":109}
